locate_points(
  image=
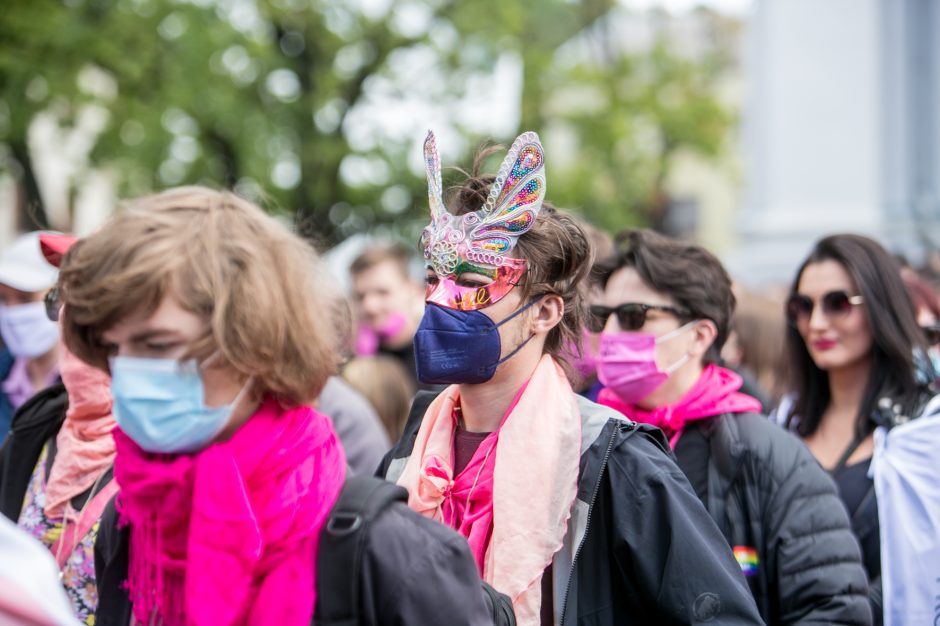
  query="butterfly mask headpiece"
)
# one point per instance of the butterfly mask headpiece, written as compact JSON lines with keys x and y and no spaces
{"x":484,"y":237}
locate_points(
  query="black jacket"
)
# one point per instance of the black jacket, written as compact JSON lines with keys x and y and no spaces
{"x":640,"y":547}
{"x":766,"y":492}
{"x":34,"y":424}
{"x":414,"y":571}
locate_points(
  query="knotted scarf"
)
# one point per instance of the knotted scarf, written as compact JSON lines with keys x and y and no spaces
{"x":512,"y":532}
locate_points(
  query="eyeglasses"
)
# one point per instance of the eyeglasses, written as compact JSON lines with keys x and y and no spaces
{"x":834,"y":304}
{"x":932,"y":333}
{"x":631,"y":315}
{"x":53,"y":304}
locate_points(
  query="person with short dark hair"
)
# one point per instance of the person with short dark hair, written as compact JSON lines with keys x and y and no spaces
{"x":387,"y":301}
{"x":666,"y":314}
{"x":577,"y":514}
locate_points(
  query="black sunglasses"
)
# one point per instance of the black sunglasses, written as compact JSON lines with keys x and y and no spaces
{"x":834,"y":304}
{"x":932,"y":334}
{"x":631,"y":315}
{"x":53,"y":304}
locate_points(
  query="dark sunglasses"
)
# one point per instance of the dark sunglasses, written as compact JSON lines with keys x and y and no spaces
{"x":834,"y":304}
{"x":631,"y":315}
{"x":932,"y":333}
{"x":53,"y":304}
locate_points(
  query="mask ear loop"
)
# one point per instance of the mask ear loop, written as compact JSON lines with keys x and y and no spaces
{"x":535,"y":300}
{"x":212,"y":358}
{"x":676,"y":332}
{"x":672,"y":334}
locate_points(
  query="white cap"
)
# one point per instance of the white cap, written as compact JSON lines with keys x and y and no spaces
{"x":23,"y":267}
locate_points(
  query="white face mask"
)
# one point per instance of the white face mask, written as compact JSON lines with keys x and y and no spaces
{"x":26,"y":330}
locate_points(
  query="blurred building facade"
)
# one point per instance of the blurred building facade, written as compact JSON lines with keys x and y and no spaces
{"x":841,"y":130}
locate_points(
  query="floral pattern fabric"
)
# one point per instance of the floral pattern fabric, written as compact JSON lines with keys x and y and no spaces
{"x":78,"y":573}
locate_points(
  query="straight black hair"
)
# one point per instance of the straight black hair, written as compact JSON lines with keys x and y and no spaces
{"x":896,"y":337}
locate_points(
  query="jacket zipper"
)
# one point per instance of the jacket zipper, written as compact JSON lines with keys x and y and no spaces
{"x":587,"y":524}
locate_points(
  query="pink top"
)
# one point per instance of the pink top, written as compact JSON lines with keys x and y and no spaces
{"x":19,"y":388}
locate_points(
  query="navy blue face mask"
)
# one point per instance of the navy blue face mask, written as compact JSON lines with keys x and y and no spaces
{"x":453,"y":347}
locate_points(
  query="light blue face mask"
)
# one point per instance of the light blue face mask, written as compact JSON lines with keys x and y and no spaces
{"x":160,"y":404}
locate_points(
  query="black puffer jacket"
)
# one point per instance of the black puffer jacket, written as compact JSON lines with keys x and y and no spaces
{"x":640,"y":547}
{"x":767,"y":493}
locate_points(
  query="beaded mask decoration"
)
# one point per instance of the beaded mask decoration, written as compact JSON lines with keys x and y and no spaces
{"x":484,"y":238}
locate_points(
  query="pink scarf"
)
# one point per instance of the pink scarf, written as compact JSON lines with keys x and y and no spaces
{"x":229,"y":536}
{"x":715,"y":393}
{"x":514,"y":498}
{"x":84,"y":446}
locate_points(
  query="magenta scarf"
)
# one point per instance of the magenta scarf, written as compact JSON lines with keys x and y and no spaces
{"x":715,"y":392}
{"x":228,"y":536}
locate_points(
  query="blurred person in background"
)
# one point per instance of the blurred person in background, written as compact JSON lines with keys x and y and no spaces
{"x":581,"y":360}
{"x":578,"y":515}
{"x":358,"y":424}
{"x":854,"y":341}
{"x":383,"y":381}
{"x":667,"y":313}
{"x":56,"y":465}
{"x":755,"y":348}
{"x":28,"y":357}
{"x":356,"y":421}
{"x":208,"y":314}
{"x":388,"y":303}
{"x":927,"y":311}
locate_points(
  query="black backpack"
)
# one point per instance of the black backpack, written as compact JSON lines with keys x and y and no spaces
{"x":339,"y":555}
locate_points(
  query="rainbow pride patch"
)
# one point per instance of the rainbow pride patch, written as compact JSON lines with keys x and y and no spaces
{"x":747,"y":559}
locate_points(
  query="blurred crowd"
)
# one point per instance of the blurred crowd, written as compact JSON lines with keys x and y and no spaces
{"x":583,"y":428}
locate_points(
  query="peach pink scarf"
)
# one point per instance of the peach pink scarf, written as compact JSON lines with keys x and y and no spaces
{"x":538,"y":446}
{"x":84,"y":446}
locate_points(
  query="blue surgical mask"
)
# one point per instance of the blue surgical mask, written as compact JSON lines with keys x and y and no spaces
{"x":26,"y":329}
{"x":160,"y":404}
{"x":454,"y":347}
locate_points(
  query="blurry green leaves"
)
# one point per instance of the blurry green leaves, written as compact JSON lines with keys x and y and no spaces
{"x":260,"y":94}
{"x":622,"y":120}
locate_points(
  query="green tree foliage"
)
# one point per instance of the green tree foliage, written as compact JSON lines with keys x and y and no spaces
{"x":257,"y":95}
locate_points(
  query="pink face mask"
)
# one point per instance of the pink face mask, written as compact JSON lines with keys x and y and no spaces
{"x":392,"y":326}
{"x":584,"y":361}
{"x":627,"y":363}
{"x":368,"y":338}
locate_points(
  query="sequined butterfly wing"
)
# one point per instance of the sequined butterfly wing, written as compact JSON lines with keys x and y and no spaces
{"x":439,"y":238}
{"x":514,"y":201}
{"x":432,"y":165}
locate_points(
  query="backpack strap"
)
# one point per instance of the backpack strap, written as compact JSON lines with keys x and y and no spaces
{"x":342,"y":541}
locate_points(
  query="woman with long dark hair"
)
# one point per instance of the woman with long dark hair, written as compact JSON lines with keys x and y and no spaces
{"x":855,"y":348}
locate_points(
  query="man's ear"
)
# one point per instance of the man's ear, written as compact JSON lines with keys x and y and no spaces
{"x":547,"y":313}
{"x":704,"y":334}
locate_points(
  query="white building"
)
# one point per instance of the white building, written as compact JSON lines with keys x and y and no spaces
{"x":841,"y":130}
